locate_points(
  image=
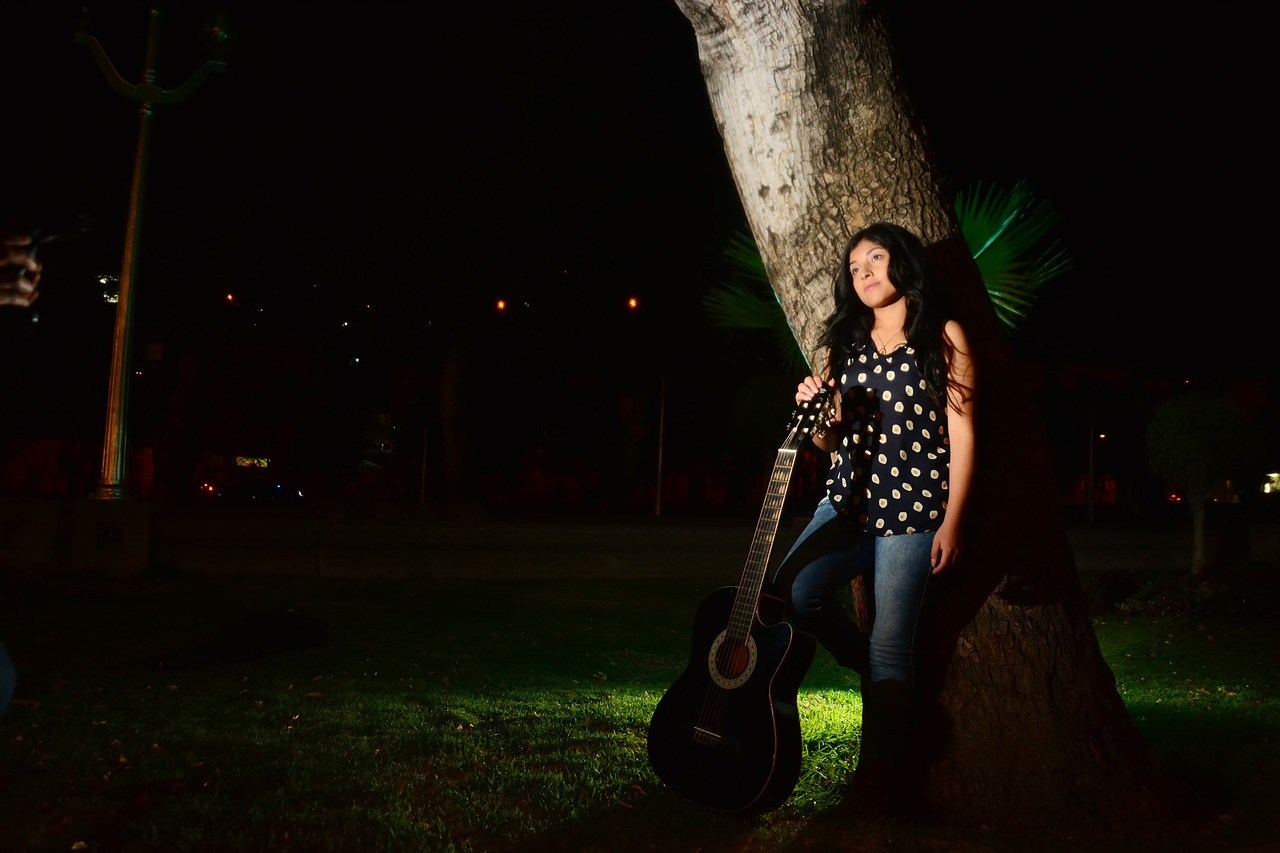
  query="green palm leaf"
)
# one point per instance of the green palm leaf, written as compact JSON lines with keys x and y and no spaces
{"x":1010,"y":234}
{"x":749,"y":302}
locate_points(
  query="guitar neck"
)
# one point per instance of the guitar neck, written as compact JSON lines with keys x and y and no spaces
{"x":757,"y":565}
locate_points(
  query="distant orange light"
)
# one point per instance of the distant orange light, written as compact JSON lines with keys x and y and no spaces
{"x":502,"y":305}
{"x":229,"y":297}
{"x":633,"y":302}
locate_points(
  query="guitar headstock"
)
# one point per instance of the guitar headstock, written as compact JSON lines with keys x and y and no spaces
{"x":814,"y":417}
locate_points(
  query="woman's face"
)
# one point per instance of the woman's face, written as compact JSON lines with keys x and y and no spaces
{"x":869,"y":271}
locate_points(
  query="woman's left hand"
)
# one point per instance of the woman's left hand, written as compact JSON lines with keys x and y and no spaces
{"x":946,"y":547}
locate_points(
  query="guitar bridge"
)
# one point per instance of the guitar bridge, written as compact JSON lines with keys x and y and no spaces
{"x":705,"y":737}
{"x":716,"y":741}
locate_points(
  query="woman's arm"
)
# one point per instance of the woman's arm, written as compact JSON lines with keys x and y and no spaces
{"x":948,"y":541}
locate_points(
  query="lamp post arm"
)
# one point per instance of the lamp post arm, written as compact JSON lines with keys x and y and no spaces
{"x":173,"y":96}
{"x":146,"y":91}
{"x":108,"y":69}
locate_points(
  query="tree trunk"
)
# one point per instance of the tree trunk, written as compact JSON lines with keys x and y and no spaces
{"x":1026,"y":728}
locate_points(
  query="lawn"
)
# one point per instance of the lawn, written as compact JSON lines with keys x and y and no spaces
{"x":422,"y":715}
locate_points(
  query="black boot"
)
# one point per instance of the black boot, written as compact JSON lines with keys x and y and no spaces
{"x":841,"y":636}
{"x":881,"y":784}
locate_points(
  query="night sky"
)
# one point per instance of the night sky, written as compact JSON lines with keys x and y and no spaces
{"x":367,"y":186}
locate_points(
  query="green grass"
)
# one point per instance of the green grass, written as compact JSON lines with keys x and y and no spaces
{"x":1199,"y":671}
{"x":496,"y":716}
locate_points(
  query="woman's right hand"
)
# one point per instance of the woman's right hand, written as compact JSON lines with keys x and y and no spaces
{"x":808,"y":389}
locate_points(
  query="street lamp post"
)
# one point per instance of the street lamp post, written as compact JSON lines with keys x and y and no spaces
{"x":1088,"y":480}
{"x":662,"y":429}
{"x":111,"y":486}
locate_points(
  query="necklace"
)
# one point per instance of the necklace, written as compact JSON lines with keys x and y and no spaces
{"x":884,"y":345}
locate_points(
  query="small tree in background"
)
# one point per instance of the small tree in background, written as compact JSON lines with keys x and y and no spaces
{"x":1197,"y":441}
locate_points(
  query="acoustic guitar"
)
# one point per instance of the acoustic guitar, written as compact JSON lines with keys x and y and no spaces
{"x":726,"y":735}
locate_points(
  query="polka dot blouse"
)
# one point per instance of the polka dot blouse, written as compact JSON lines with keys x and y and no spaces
{"x":890,"y":471}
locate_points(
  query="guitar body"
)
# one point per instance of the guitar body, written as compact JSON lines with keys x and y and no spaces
{"x":726,"y":735}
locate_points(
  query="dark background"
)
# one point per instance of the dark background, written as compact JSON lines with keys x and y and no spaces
{"x":366,"y":183}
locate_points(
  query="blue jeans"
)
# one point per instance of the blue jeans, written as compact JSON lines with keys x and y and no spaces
{"x":831,"y":552}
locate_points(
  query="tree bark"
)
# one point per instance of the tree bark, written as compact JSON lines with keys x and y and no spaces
{"x":1025,"y":726}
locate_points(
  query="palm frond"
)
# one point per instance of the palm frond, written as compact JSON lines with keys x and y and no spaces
{"x":749,"y":301}
{"x":741,"y":306}
{"x":745,"y":258}
{"x":1009,"y":233}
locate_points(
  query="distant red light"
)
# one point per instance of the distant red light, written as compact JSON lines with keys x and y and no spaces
{"x":633,"y":303}
{"x":502,"y":305}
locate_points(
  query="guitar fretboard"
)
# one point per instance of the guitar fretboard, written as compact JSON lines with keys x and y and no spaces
{"x":744,"y":604}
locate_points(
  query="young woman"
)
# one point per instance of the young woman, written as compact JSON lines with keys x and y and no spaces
{"x":903,"y":455}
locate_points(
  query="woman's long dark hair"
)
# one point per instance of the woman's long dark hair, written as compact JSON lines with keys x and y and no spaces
{"x":849,"y":327}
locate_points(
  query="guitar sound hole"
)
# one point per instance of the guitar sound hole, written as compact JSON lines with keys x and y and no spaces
{"x":732,"y":659}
